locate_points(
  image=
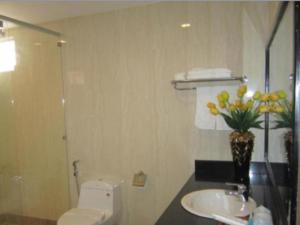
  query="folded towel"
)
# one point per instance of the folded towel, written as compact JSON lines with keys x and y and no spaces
{"x":200,"y":73}
{"x":203,"y":118}
{"x":180,"y":76}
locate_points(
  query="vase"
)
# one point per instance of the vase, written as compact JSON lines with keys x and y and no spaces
{"x":241,"y":148}
{"x":288,"y":143}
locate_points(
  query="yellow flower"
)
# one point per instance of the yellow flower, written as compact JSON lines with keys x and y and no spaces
{"x":232,"y":107}
{"x":242,"y":90}
{"x":278,"y":109}
{"x":264,"y":98}
{"x":239,"y":94}
{"x":281,"y":94}
{"x":274,"y":97}
{"x":214,"y":111}
{"x":220,"y":98}
{"x":222,"y":105}
{"x":272,"y":107}
{"x":256,"y":95}
{"x":249,"y":104}
{"x":243,"y":107}
{"x":238,"y":104}
{"x":263,"y":109}
{"x":211,"y":105}
{"x":225,"y":96}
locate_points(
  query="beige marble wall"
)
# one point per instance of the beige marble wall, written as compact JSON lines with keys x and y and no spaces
{"x":122,"y":113}
{"x":36,"y":127}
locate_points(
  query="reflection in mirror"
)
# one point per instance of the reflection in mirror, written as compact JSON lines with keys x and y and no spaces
{"x":281,"y":72}
{"x":281,"y":93}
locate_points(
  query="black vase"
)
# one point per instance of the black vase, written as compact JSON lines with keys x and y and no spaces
{"x":288,"y":142}
{"x":241,"y":147}
{"x":289,"y":145}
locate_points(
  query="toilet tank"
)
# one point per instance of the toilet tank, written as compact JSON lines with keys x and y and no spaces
{"x":100,"y":194}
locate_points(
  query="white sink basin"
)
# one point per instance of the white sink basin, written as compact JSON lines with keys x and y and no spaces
{"x":208,"y":202}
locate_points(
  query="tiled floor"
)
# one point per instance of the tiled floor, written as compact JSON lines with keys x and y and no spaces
{"x":7,"y":223}
{"x":11,"y":219}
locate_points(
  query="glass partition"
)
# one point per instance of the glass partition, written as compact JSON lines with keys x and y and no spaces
{"x":33,"y":155}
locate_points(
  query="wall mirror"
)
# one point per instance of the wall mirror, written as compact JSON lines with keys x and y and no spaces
{"x":281,"y":79}
{"x":281,"y":153}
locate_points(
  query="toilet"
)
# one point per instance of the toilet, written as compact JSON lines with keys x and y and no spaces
{"x":99,"y":203}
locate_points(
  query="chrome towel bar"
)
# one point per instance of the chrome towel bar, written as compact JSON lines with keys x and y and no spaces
{"x":192,"y":84}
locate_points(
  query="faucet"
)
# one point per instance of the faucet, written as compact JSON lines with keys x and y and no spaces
{"x":241,"y":191}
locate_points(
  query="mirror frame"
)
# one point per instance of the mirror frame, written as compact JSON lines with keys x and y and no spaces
{"x":280,"y":215}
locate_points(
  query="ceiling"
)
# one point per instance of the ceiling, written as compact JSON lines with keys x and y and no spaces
{"x":40,"y":12}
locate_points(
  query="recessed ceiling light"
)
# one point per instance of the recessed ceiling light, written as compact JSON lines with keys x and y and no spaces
{"x":185,"y":25}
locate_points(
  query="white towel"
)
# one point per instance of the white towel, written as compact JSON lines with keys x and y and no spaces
{"x":180,"y":76}
{"x":203,"y":118}
{"x":202,"y":73}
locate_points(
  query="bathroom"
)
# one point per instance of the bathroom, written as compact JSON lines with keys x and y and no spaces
{"x":89,"y":86}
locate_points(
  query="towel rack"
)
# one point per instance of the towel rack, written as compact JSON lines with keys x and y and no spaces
{"x":229,"y":80}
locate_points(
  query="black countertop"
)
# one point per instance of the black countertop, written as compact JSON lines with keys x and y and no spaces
{"x":175,"y":214}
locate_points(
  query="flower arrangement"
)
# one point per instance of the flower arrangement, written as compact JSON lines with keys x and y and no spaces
{"x":282,"y":109}
{"x":242,"y":114}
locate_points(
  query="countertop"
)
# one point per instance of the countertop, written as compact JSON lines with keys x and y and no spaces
{"x":206,"y":177}
{"x":175,"y":214}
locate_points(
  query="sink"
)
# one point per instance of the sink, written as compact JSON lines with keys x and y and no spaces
{"x":208,"y":202}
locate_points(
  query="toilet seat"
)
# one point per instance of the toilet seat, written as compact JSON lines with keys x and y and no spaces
{"x":79,"y":216}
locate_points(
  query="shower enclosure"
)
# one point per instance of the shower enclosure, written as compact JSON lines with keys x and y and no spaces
{"x":33,"y":157}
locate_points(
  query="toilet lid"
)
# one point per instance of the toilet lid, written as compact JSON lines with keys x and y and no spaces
{"x":79,"y":216}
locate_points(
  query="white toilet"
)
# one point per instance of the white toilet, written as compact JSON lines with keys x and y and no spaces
{"x":99,"y":203}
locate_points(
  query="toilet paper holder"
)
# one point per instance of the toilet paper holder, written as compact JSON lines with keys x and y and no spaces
{"x":139,"y":179}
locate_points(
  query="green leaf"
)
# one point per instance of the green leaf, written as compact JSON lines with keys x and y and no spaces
{"x":230,"y":122}
{"x":285,"y":120}
{"x":243,"y":120}
{"x":257,"y":124}
{"x":281,"y":124}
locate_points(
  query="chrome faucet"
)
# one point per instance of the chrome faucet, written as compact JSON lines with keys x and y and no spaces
{"x":241,"y":191}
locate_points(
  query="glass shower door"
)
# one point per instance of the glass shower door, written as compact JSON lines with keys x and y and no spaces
{"x":33,"y":156}
{"x":10,"y":179}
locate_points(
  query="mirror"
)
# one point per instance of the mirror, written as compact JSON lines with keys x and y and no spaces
{"x":280,"y":119}
{"x":281,"y":79}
